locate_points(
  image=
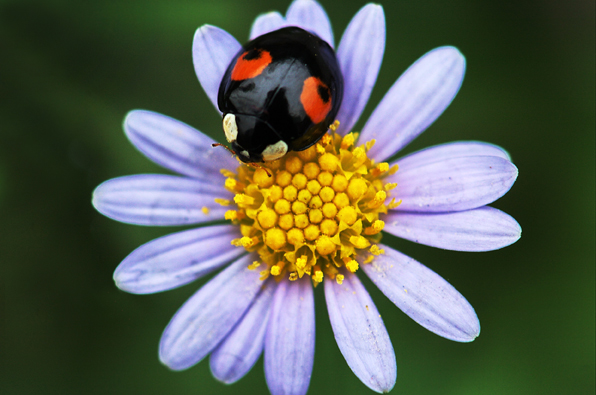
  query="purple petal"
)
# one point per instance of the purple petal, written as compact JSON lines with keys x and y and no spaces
{"x":416,"y":99}
{"x":212,"y":52}
{"x":266,"y":23}
{"x":177,"y":259}
{"x":290,"y":340}
{"x":309,"y":15}
{"x":423,"y":295}
{"x":177,"y":146}
{"x":360,"y":333}
{"x":453,"y":184}
{"x":481,"y":229}
{"x":360,"y":54}
{"x":240,"y":350}
{"x":455,"y":149}
{"x":158,"y":199}
{"x":209,"y":315}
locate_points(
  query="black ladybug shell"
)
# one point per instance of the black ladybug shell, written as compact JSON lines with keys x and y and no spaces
{"x":282,"y":86}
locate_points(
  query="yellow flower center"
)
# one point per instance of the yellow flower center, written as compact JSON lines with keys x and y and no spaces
{"x":310,"y":212}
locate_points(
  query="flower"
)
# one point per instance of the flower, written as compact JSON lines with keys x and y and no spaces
{"x":318,"y":219}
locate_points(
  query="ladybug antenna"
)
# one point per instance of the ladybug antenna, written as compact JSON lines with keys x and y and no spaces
{"x":221,"y":145}
{"x":257,"y":166}
{"x":252,"y":164}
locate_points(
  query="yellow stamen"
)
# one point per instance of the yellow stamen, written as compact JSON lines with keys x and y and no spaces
{"x":205,"y":210}
{"x":324,"y":245}
{"x":393,"y":204}
{"x":313,"y":186}
{"x":311,"y":170}
{"x":304,"y":196}
{"x":341,"y":200}
{"x":311,"y":232}
{"x":359,"y":242}
{"x":293,"y":164}
{"x":248,"y":242}
{"x":262,"y":179}
{"x":301,"y":262}
{"x":264,"y":275}
{"x":242,"y":199}
{"x":267,"y":218}
{"x":310,"y":212}
{"x":347,"y":141}
{"x":380,"y":169}
{"x":325,"y":178}
{"x":329,"y":210}
{"x":393,"y":170}
{"x":299,"y":181}
{"x":299,"y":208}
{"x":347,"y":215}
{"x":359,"y":153}
{"x":275,"y":193}
{"x":222,"y":202}
{"x":339,"y":183}
{"x":320,"y":148}
{"x":318,"y":276}
{"x":334,"y":125}
{"x":356,"y":188}
{"x":282,"y":206}
{"x":328,"y":227}
{"x":295,"y":236}
{"x":315,"y":202}
{"x":301,"y":221}
{"x":283,"y":179}
{"x":328,"y":162}
{"x":227,"y":173}
{"x":308,"y":154}
{"x":375,"y":250}
{"x":376,"y":227}
{"x":352,"y":266}
{"x":275,"y":270}
{"x":286,"y":221}
{"x":315,"y":216}
{"x":326,"y":139}
{"x":290,"y":193}
{"x":254,"y":265}
{"x":327,"y":194}
{"x":275,"y":239}
{"x":378,"y":200}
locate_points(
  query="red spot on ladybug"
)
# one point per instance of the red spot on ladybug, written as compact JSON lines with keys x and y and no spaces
{"x":316,"y":99}
{"x":250,"y":64}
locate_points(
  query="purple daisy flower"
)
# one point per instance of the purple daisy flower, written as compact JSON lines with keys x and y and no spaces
{"x":318,"y":219}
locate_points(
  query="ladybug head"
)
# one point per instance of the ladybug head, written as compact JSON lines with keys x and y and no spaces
{"x":252,"y":139}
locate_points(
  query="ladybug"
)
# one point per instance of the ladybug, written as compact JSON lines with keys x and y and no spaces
{"x":280,"y":93}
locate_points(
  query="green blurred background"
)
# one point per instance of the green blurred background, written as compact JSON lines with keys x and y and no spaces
{"x":70,"y":71}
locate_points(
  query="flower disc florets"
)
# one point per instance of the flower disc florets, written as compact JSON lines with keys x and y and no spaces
{"x":309,"y":212}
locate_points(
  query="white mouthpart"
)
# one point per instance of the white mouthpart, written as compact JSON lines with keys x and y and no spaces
{"x":275,"y":151}
{"x":230,"y":128}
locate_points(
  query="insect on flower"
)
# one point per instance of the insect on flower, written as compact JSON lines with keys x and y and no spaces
{"x":280,"y":93}
{"x":315,"y":210}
